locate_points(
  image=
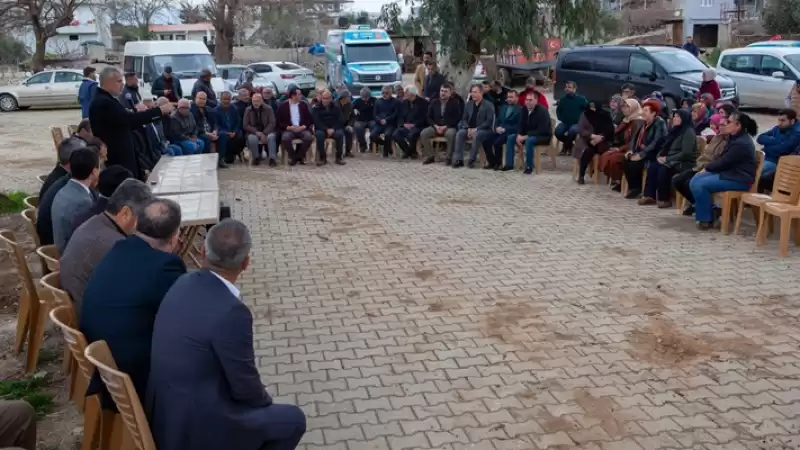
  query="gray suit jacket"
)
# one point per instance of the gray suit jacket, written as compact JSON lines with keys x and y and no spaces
{"x":485,"y":117}
{"x":69,"y":205}
{"x":88,"y":245}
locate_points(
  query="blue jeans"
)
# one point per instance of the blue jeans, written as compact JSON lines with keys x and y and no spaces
{"x":703,"y":187}
{"x":566,"y":134}
{"x":768,"y":168}
{"x":511,"y":145}
{"x":192,"y":148}
{"x":174,"y":150}
{"x":206,"y":143}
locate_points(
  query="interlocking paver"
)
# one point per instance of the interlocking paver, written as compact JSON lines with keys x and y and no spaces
{"x":411,"y":307}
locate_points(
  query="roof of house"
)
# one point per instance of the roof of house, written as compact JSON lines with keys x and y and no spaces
{"x":180,"y":28}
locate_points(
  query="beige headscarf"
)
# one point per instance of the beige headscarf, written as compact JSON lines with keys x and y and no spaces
{"x":635,"y":110}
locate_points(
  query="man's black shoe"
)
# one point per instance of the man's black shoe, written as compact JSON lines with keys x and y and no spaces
{"x":458,"y":164}
{"x":272,"y":162}
{"x":507,"y":168}
{"x":340,"y":162}
{"x":429,"y":160}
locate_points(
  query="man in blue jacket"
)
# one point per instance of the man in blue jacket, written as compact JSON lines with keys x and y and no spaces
{"x":230,"y":140}
{"x":781,"y":140}
{"x":87,"y":90}
{"x":568,"y":112}
{"x":387,"y":108}
{"x":205,"y":119}
{"x":506,"y":124}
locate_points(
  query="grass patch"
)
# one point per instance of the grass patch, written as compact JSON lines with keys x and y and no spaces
{"x":32,"y":390}
{"x":12,"y":202}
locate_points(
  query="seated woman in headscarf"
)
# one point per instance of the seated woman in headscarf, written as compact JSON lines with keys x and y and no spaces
{"x":733,"y":170}
{"x":616,"y":109}
{"x":644,"y":148}
{"x":611,"y":161}
{"x":700,"y":119}
{"x":664,"y":113}
{"x":681,"y":181}
{"x":713,"y":128}
{"x":595,"y":131}
{"x":678,"y":153}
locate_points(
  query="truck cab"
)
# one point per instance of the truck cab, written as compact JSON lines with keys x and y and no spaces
{"x":187,"y":58}
{"x":361,"y":57}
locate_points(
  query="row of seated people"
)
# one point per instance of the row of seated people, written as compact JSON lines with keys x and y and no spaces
{"x":121,"y":267}
{"x":634,"y":139}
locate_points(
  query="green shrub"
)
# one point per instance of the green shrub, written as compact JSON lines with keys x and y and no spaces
{"x":32,"y":390}
{"x":12,"y":202}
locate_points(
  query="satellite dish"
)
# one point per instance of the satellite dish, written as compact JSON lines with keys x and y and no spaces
{"x":343,"y":22}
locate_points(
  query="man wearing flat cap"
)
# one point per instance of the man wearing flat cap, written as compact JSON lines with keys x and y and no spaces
{"x":130,"y":96}
{"x":167,"y":86}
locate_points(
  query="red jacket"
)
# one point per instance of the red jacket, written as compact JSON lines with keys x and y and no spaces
{"x":284,"y":118}
{"x":539,"y":95}
{"x":710,"y":87}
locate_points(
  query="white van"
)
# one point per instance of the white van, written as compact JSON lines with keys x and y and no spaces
{"x":187,"y":59}
{"x":764,"y":75}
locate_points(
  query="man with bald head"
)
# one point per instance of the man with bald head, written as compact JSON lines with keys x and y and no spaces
{"x":328,"y":124}
{"x":259,"y":127}
{"x":184,"y":129}
{"x":114,"y":125}
{"x":413,"y":115}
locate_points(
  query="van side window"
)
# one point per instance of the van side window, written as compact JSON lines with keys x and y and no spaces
{"x":771,"y":64}
{"x":742,"y":63}
{"x":127,"y":64}
{"x":641,"y":65}
{"x":577,"y":61}
{"x":610,"y":62}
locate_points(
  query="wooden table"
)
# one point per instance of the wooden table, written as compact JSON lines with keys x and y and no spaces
{"x":197,"y":210}
{"x":184,"y":174}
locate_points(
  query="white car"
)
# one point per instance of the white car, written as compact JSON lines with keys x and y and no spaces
{"x":50,"y":88}
{"x":230,"y":74}
{"x":764,"y":76}
{"x":282,"y":74}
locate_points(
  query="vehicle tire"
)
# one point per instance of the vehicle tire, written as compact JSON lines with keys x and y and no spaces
{"x":504,"y":77}
{"x":671,"y":104}
{"x":8,"y":103}
{"x":24,"y":108}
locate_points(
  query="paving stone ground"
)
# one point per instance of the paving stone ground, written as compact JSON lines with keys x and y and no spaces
{"x":411,"y":307}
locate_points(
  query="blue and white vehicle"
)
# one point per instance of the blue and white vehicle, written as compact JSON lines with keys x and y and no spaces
{"x":361,"y":57}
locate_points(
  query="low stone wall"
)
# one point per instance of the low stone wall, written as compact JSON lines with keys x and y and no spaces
{"x":10,"y":75}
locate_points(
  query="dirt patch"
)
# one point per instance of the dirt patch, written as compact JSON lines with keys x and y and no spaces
{"x":642,"y":303}
{"x":458,"y":201}
{"x":322,"y":197}
{"x":620,"y":251}
{"x":424,"y":274}
{"x":602,"y":409}
{"x":775,"y":299}
{"x":507,"y":320}
{"x":663,"y":343}
{"x":394,"y":245}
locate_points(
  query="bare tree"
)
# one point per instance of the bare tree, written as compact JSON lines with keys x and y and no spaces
{"x":140,"y":13}
{"x":222,"y":15}
{"x":189,"y":13}
{"x":42,"y":17}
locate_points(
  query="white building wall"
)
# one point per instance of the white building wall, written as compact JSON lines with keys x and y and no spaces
{"x":69,"y":39}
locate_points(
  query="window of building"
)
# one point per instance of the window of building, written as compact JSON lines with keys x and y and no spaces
{"x":706,"y":3}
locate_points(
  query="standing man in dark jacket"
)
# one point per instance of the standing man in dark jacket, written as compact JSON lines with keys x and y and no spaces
{"x":691,"y":47}
{"x":113,"y":124}
{"x":505,"y":125}
{"x":87,"y":90}
{"x":413,"y":116}
{"x":387,"y":109}
{"x":443,"y":115}
{"x":328,"y":124}
{"x":167,"y":86}
{"x":534,"y":129}
{"x":130,"y":96}
{"x":203,"y":84}
{"x":433,"y":81}
{"x":476,"y":125}
{"x":125,"y":290}
{"x":364,"y":110}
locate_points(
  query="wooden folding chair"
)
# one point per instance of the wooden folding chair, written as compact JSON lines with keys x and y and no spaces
{"x":121,"y":388}
{"x":64,"y":319}
{"x":41,"y":178}
{"x":31,"y":202}
{"x":593,"y":169}
{"x":785,"y":189}
{"x":72,"y":129}
{"x":551,"y":149}
{"x":438,"y":143}
{"x":28,"y":313}
{"x":58,"y":135}
{"x":29,"y":215}
{"x":728,"y":199}
{"x":53,"y":296}
{"x":679,"y":200}
{"x":50,"y":255}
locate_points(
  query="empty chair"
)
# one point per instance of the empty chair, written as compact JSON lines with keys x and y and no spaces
{"x":41,"y":178}
{"x":50,"y":255}
{"x":28,"y":313}
{"x":727,"y":199}
{"x":121,"y":388}
{"x":31,"y":202}
{"x":785,"y":189}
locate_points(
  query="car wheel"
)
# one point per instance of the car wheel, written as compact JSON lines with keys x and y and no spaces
{"x":670,"y":103}
{"x":504,"y":77}
{"x":8,"y":103}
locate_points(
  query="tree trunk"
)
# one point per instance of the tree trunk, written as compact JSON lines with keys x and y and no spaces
{"x":490,"y":66}
{"x":37,"y":60}
{"x":460,"y":76}
{"x":223,"y":50}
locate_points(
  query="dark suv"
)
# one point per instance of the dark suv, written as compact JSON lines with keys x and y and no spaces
{"x":600,"y":71}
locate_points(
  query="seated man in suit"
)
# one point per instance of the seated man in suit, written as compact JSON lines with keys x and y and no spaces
{"x":328,"y":124}
{"x":476,"y":124}
{"x":205,"y":119}
{"x":65,"y":149}
{"x":386,"y":110}
{"x":108,"y":182}
{"x":505,"y":125}
{"x":125,"y":291}
{"x":295,"y":122}
{"x":230,"y":140}
{"x":534,"y":129}
{"x":76,"y":198}
{"x":413,"y":114}
{"x":443,"y":116}
{"x":92,"y":240}
{"x":205,"y":390}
